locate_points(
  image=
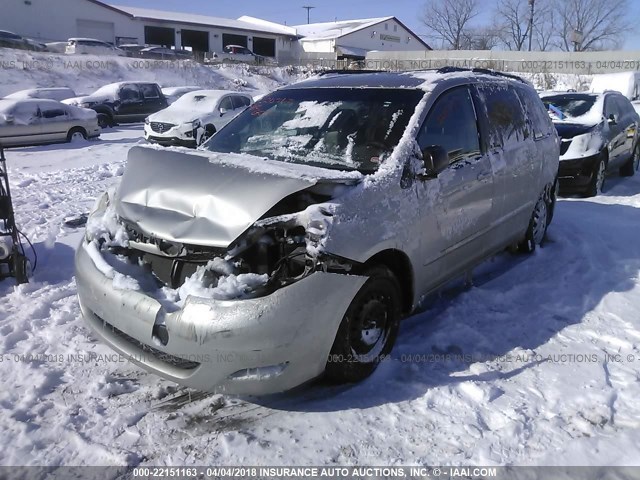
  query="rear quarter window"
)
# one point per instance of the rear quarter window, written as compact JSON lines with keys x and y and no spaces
{"x":504,"y":112}
{"x":539,"y":119}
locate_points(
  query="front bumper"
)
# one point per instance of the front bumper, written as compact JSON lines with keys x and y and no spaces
{"x":180,"y":136}
{"x":255,"y":346}
{"x":575,"y":174}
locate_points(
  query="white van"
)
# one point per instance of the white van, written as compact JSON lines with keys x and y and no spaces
{"x":627,"y":83}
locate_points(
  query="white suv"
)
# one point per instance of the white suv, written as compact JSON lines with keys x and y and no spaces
{"x":91,"y":46}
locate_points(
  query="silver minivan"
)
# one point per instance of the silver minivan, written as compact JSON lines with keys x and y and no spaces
{"x":294,"y":241}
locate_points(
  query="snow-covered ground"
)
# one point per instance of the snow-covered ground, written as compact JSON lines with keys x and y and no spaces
{"x":538,"y":363}
{"x":529,"y":381}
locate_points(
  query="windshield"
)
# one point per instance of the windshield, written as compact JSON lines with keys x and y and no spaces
{"x":566,"y":106}
{"x":339,"y":128}
{"x":199,"y":101}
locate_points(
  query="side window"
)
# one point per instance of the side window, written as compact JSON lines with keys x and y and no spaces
{"x":504,"y":114}
{"x":149,"y":91}
{"x":610,"y":106}
{"x":54,"y":113}
{"x":537,"y":115}
{"x":624,"y":106}
{"x":239,"y":102}
{"x":129,"y":93}
{"x":451,"y":123}
{"x":226,"y":103}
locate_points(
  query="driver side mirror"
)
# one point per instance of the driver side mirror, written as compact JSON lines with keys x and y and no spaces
{"x":9,"y":119}
{"x":435,"y":159}
{"x":612,"y":119}
{"x":223,"y":111}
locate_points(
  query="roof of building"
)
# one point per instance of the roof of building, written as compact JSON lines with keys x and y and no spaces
{"x":247,"y":23}
{"x":331,"y":30}
{"x":334,"y":30}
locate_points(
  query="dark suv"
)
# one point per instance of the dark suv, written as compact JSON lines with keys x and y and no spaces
{"x":599,"y":135}
{"x":125,"y":102}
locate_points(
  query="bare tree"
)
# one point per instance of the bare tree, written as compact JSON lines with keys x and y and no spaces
{"x":545,"y":26}
{"x":482,"y":38}
{"x":592,"y":24}
{"x":448,"y":20}
{"x":512,"y":19}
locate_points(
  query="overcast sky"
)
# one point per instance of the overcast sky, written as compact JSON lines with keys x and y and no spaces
{"x":292,"y":13}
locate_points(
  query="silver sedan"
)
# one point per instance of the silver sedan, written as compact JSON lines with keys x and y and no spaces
{"x":40,"y":121}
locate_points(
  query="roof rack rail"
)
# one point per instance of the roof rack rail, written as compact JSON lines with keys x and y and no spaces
{"x":487,"y":71}
{"x":349,"y":72}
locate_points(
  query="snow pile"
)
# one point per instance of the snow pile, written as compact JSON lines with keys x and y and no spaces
{"x":87,"y":73}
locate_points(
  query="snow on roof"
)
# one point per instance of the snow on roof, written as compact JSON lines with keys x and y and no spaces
{"x":178,"y":17}
{"x":330,"y":30}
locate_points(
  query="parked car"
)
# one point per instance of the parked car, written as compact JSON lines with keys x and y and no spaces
{"x":131,"y":49}
{"x":56,"y":47}
{"x":57,"y":93}
{"x":599,"y":135}
{"x":13,"y":40}
{"x":174,"y":93}
{"x":124,"y":102}
{"x":162,"y":53}
{"x":40,"y":121}
{"x":237,"y":53}
{"x":294,"y":242}
{"x":91,"y":46}
{"x":195,"y":117}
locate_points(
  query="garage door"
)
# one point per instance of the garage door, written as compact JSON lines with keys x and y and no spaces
{"x":104,"y":31}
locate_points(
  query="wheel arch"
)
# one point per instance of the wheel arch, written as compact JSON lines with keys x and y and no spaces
{"x":400,"y":264}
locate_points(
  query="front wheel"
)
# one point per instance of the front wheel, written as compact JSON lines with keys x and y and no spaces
{"x":368,"y":329}
{"x":597,"y":179}
{"x":629,"y":169}
{"x":104,"y":120}
{"x":209,"y":130}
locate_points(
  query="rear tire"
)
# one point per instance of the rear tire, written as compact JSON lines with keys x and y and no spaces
{"x":76,"y":134}
{"x":629,"y":169}
{"x":538,"y":224}
{"x":596,"y":185}
{"x":368,"y":329}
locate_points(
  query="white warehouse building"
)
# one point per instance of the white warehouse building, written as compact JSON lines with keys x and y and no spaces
{"x":58,"y":20}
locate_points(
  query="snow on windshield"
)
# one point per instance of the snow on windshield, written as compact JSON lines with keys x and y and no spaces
{"x":341,"y":128}
{"x":582,"y":108}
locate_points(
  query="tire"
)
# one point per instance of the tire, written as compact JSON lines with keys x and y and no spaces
{"x":538,"y":224}
{"x":629,"y":169}
{"x":368,"y":329}
{"x":209,"y":130}
{"x":596,"y":185}
{"x":76,"y":134}
{"x":104,"y":120}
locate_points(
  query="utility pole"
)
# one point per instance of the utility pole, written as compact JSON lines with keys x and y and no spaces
{"x":308,"y":9}
{"x":531,"y":4}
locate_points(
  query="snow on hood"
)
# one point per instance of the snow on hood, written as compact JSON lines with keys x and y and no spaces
{"x":106,"y":93}
{"x":208,"y":199}
{"x":190,"y":107}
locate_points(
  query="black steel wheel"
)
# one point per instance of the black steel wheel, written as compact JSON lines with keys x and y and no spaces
{"x":368,"y":329}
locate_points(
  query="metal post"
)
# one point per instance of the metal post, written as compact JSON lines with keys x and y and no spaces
{"x":308,"y":9}
{"x":531,"y":4}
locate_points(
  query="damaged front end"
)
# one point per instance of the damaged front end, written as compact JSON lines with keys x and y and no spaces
{"x":254,"y":292}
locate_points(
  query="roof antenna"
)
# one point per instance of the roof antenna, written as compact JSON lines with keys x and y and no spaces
{"x":308,"y":9}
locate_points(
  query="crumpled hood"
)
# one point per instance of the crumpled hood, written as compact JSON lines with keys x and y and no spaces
{"x":207,"y":199}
